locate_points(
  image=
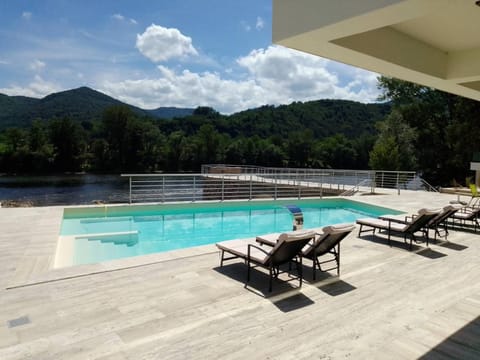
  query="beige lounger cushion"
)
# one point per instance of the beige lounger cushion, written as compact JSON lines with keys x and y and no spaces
{"x":327,"y":230}
{"x":269,"y":239}
{"x":383,"y":224}
{"x":273,"y":238}
{"x":453,"y":207}
{"x":426,"y":211}
{"x":338,"y":228}
{"x":240,"y":249}
{"x":464,"y":215}
{"x":397,"y":218}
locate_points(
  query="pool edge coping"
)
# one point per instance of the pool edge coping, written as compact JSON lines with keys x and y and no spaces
{"x":45,"y":273}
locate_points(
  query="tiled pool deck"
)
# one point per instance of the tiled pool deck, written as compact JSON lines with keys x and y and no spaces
{"x":389,"y":303}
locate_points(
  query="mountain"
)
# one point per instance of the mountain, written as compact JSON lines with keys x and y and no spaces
{"x":79,"y":104}
{"x":323,"y":118}
{"x":14,"y":107}
{"x":170,"y":112}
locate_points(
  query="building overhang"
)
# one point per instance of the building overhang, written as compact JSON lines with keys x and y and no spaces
{"x":434,"y":43}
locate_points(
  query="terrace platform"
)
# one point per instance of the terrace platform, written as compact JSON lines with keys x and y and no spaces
{"x":388,"y":303}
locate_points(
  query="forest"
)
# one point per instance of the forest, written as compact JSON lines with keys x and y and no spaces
{"x":411,"y":128}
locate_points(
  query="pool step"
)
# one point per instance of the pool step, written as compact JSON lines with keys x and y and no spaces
{"x":106,"y":220}
{"x":128,"y":238}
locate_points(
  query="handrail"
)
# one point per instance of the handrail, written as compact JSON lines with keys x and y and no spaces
{"x":265,"y":169}
{"x":266,"y":183}
{"x":195,"y":187}
{"x":428,"y":185}
{"x":355,"y":188}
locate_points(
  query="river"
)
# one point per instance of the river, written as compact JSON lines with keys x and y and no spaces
{"x":64,"y":189}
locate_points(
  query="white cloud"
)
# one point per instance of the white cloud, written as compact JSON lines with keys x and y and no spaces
{"x":245,"y":26}
{"x":260,"y":23}
{"x":160,"y":44}
{"x":187,"y":89}
{"x":275,"y":75}
{"x":119,"y":17}
{"x":37,"y":65}
{"x":38,"y":88}
{"x":27,"y":15}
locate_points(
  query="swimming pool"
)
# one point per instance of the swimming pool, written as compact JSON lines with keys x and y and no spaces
{"x":91,"y":235}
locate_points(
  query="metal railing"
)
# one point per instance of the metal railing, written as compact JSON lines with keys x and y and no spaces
{"x":231,"y":182}
{"x":220,"y":187}
{"x":367,"y":183}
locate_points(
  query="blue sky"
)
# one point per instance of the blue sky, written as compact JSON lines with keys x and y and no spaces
{"x":183,"y":53}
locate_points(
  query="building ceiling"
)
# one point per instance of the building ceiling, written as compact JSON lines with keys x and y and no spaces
{"x":434,"y":43}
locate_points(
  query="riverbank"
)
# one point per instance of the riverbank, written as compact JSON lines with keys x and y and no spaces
{"x":64,"y":189}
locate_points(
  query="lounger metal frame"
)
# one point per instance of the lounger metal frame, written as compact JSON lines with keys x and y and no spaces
{"x":420,"y":224}
{"x":288,"y":252}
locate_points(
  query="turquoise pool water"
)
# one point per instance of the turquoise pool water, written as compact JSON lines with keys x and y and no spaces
{"x":107,"y":233}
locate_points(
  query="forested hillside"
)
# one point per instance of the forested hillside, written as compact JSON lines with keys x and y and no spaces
{"x":322,"y":118}
{"x":417,"y":128}
{"x":82,"y":104}
{"x":324,"y":133}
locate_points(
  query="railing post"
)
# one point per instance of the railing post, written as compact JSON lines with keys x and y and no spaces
{"x":299,"y":190}
{"x":194,"y":188}
{"x":251,"y":184}
{"x":223,"y":186}
{"x":398,"y":183}
{"x":321,"y":185}
{"x":275,"y":192}
{"x":130,"y":193}
{"x":163,"y":189}
{"x":373,"y":176}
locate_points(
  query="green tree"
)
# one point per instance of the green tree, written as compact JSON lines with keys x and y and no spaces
{"x":299,"y":148}
{"x":41,"y":151}
{"x":176,"y":142}
{"x":335,"y":152}
{"x":99,"y":159}
{"x":67,"y":139}
{"x":235,"y":152}
{"x":270,"y":154}
{"x":462,"y":138}
{"x":114,"y":121}
{"x":15,"y":138}
{"x":439,"y":120}
{"x":385,"y":154}
{"x":209,"y":142}
{"x":395,"y":129}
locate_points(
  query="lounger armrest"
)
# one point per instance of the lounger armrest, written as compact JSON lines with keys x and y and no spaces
{"x":256,"y":247}
{"x":410,"y":218}
{"x":262,"y":241}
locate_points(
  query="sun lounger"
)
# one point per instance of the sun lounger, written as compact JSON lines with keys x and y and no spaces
{"x":474,"y":199}
{"x":327,"y":242}
{"x":418,"y":224}
{"x":437,"y":223}
{"x":286,"y":250}
{"x":467,"y":214}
